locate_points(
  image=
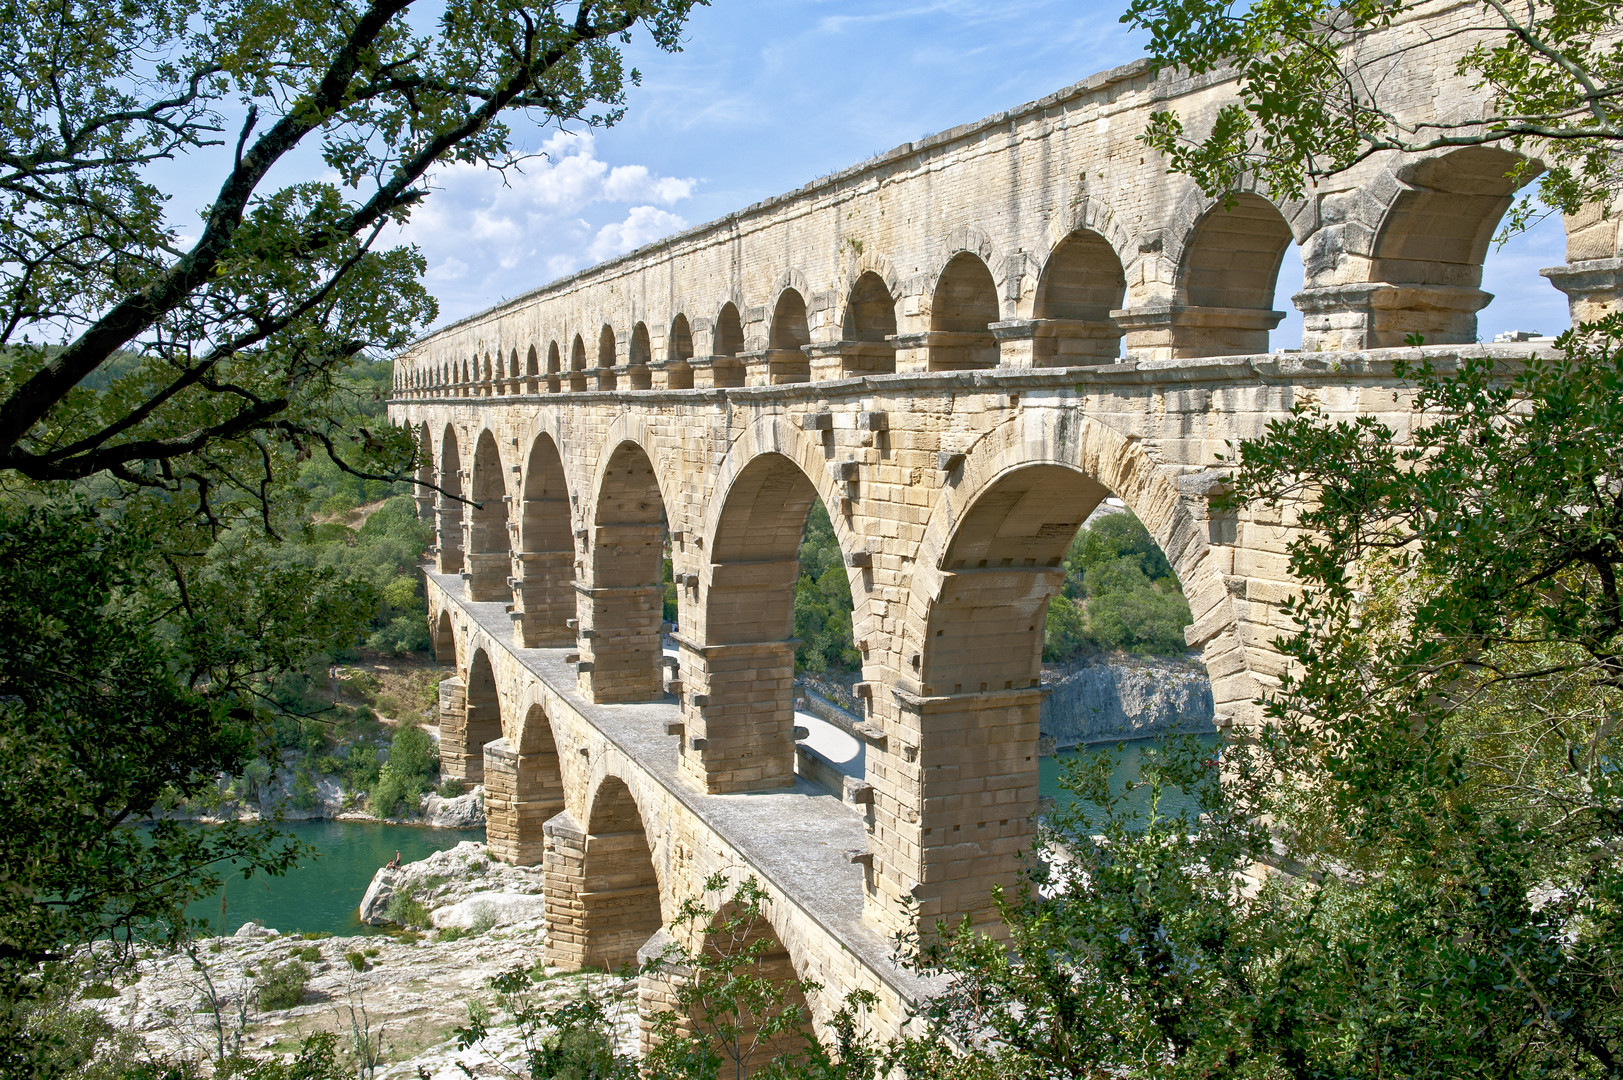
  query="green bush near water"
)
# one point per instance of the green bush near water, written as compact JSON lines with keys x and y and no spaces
{"x":409,"y":772}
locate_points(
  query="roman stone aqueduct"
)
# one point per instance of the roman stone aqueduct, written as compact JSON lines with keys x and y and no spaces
{"x":959,"y":348}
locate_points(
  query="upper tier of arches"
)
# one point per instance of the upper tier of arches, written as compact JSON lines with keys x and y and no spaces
{"x":1407,"y":261}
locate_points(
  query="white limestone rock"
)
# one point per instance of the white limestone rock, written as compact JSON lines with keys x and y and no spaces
{"x":1125,"y":698}
{"x":254,"y":930}
{"x":463,"y":812}
{"x":448,"y":879}
{"x":378,"y":895}
{"x":488,"y":910}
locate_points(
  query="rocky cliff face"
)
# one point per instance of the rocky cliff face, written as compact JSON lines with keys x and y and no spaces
{"x":1124,"y":697}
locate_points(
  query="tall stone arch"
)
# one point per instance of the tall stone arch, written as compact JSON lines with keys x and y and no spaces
{"x":964,"y":306}
{"x":487,"y":548}
{"x":463,"y":736}
{"x":1405,"y":257}
{"x":524,"y":788}
{"x":602,"y":886}
{"x":679,"y":354}
{"x":621,"y":599}
{"x":968,"y":694}
{"x":543,"y":568}
{"x":788,"y":333}
{"x":449,"y":506}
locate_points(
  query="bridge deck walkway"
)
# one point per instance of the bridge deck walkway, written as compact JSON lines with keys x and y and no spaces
{"x":798,"y":840}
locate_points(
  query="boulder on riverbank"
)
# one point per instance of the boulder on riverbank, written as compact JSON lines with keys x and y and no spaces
{"x":460,"y":888}
{"x":463,"y":812}
{"x":1125,"y":697}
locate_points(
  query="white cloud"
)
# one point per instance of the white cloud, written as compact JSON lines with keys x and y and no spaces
{"x":643,"y":225}
{"x":488,"y":234}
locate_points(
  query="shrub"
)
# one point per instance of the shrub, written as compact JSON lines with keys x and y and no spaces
{"x":98,"y":992}
{"x":1066,"y":632}
{"x":357,"y":961}
{"x":361,"y":768}
{"x":407,"y":911}
{"x":310,"y":953}
{"x":413,"y":753}
{"x":452,"y":788}
{"x":283,"y":986}
{"x":303,"y":791}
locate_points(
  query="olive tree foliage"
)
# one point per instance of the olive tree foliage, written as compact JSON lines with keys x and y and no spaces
{"x":202,"y":355}
{"x":1319,"y":87}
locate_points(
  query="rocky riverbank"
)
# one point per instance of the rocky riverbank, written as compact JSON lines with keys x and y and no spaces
{"x":283,"y":796}
{"x":404,"y":992}
{"x":1107,"y":699}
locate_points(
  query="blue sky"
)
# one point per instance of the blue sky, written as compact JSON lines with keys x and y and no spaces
{"x":768,"y":94}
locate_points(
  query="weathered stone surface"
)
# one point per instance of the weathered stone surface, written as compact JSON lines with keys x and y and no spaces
{"x":491,"y":909}
{"x":254,"y":930}
{"x":1125,"y":698}
{"x":457,"y":878}
{"x":413,"y":994}
{"x":466,"y":811}
{"x":378,"y":894}
{"x":1002,"y":326}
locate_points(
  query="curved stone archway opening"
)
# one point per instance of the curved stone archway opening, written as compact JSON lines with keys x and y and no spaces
{"x":728,"y":344}
{"x":742,"y":945}
{"x":640,"y":353}
{"x":1429,"y":252}
{"x":577,"y":365}
{"x":1228,"y":279}
{"x":789,"y":333}
{"x":554,"y":372}
{"x":607,"y":357}
{"x":424,"y":492}
{"x":679,"y":354}
{"x":488,"y":548}
{"x":978,"y":705}
{"x":738,"y":664}
{"x":1079,"y":288}
{"x":444,"y":639}
{"x":524,"y":789}
{"x":622,"y":602}
{"x":544,"y":563}
{"x":867,"y":345}
{"x":464,"y":732}
{"x":962,"y":312}
{"x":602,"y":892}
{"x":449,"y":507}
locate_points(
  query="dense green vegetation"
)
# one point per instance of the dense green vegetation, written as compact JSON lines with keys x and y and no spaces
{"x":823,"y":600}
{"x":166,"y":382}
{"x":1119,"y":593}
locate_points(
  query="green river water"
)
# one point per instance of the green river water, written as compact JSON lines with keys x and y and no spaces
{"x":322,"y":894}
{"x":1132,"y":755}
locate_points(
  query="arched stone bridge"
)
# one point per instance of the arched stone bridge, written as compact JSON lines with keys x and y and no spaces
{"x":959,"y":348}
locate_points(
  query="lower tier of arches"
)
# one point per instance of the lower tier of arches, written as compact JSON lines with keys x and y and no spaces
{"x":593,"y":794}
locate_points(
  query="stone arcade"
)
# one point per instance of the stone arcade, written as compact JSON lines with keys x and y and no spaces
{"x":959,"y":347}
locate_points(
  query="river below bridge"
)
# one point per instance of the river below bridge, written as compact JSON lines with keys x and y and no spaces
{"x":321,"y":895}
